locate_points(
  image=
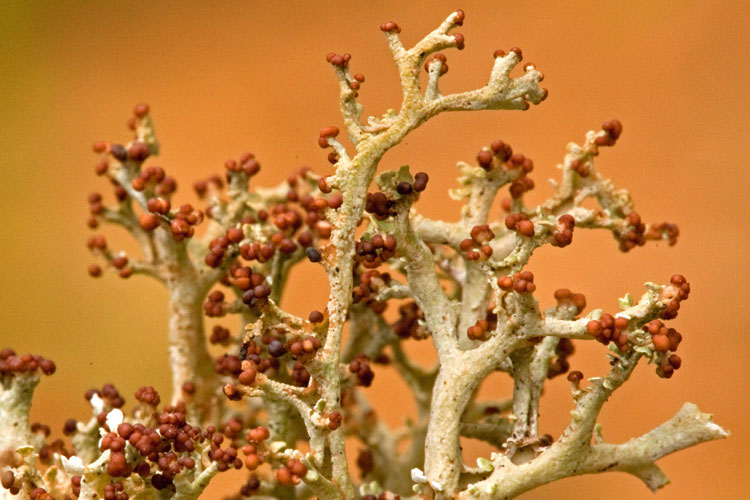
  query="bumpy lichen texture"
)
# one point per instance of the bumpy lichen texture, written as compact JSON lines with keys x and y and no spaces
{"x":288,"y":384}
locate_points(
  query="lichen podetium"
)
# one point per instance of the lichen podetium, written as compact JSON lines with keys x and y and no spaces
{"x":286,"y":394}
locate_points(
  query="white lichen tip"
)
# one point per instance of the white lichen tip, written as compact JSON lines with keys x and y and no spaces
{"x":717,"y":428}
{"x":97,"y":404}
{"x":371,"y":488}
{"x":485,"y":464}
{"x":114,"y":418}
{"x":277,"y":446}
{"x":25,"y":450}
{"x":73,"y":466}
{"x":418,"y":476}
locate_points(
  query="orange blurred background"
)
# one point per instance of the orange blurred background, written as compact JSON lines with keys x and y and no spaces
{"x":223,"y":78}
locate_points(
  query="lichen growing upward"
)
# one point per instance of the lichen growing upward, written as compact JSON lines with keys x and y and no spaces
{"x":288,"y":391}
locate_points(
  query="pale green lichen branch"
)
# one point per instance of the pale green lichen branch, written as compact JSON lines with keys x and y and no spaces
{"x":687,"y":428}
{"x":15,"y":403}
{"x":441,"y":313}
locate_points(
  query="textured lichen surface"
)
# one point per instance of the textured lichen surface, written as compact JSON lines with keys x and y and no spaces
{"x":285,"y":397}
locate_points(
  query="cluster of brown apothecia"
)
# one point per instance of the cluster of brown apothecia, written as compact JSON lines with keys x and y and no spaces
{"x":285,"y":223}
{"x":560,"y":365}
{"x":483,"y":327}
{"x":520,"y":223}
{"x":565,"y":297}
{"x":635,"y":233}
{"x":295,"y":219}
{"x":410,"y":322}
{"x":11,"y":363}
{"x":276,"y":348}
{"x":9,"y":482}
{"x":370,"y":283}
{"x":373,"y":252}
{"x":663,"y":340}
{"x":477,"y":247}
{"x":294,"y":222}
{"x":360,"y":367}
{"x":500,"y":155}
{"x":230,"y":254}
{"x":382,"y":207}
{"x":613,"y":129}
{"x":151,"y":447}
{"x":521,"y":282}
{"x":27,"y":367}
